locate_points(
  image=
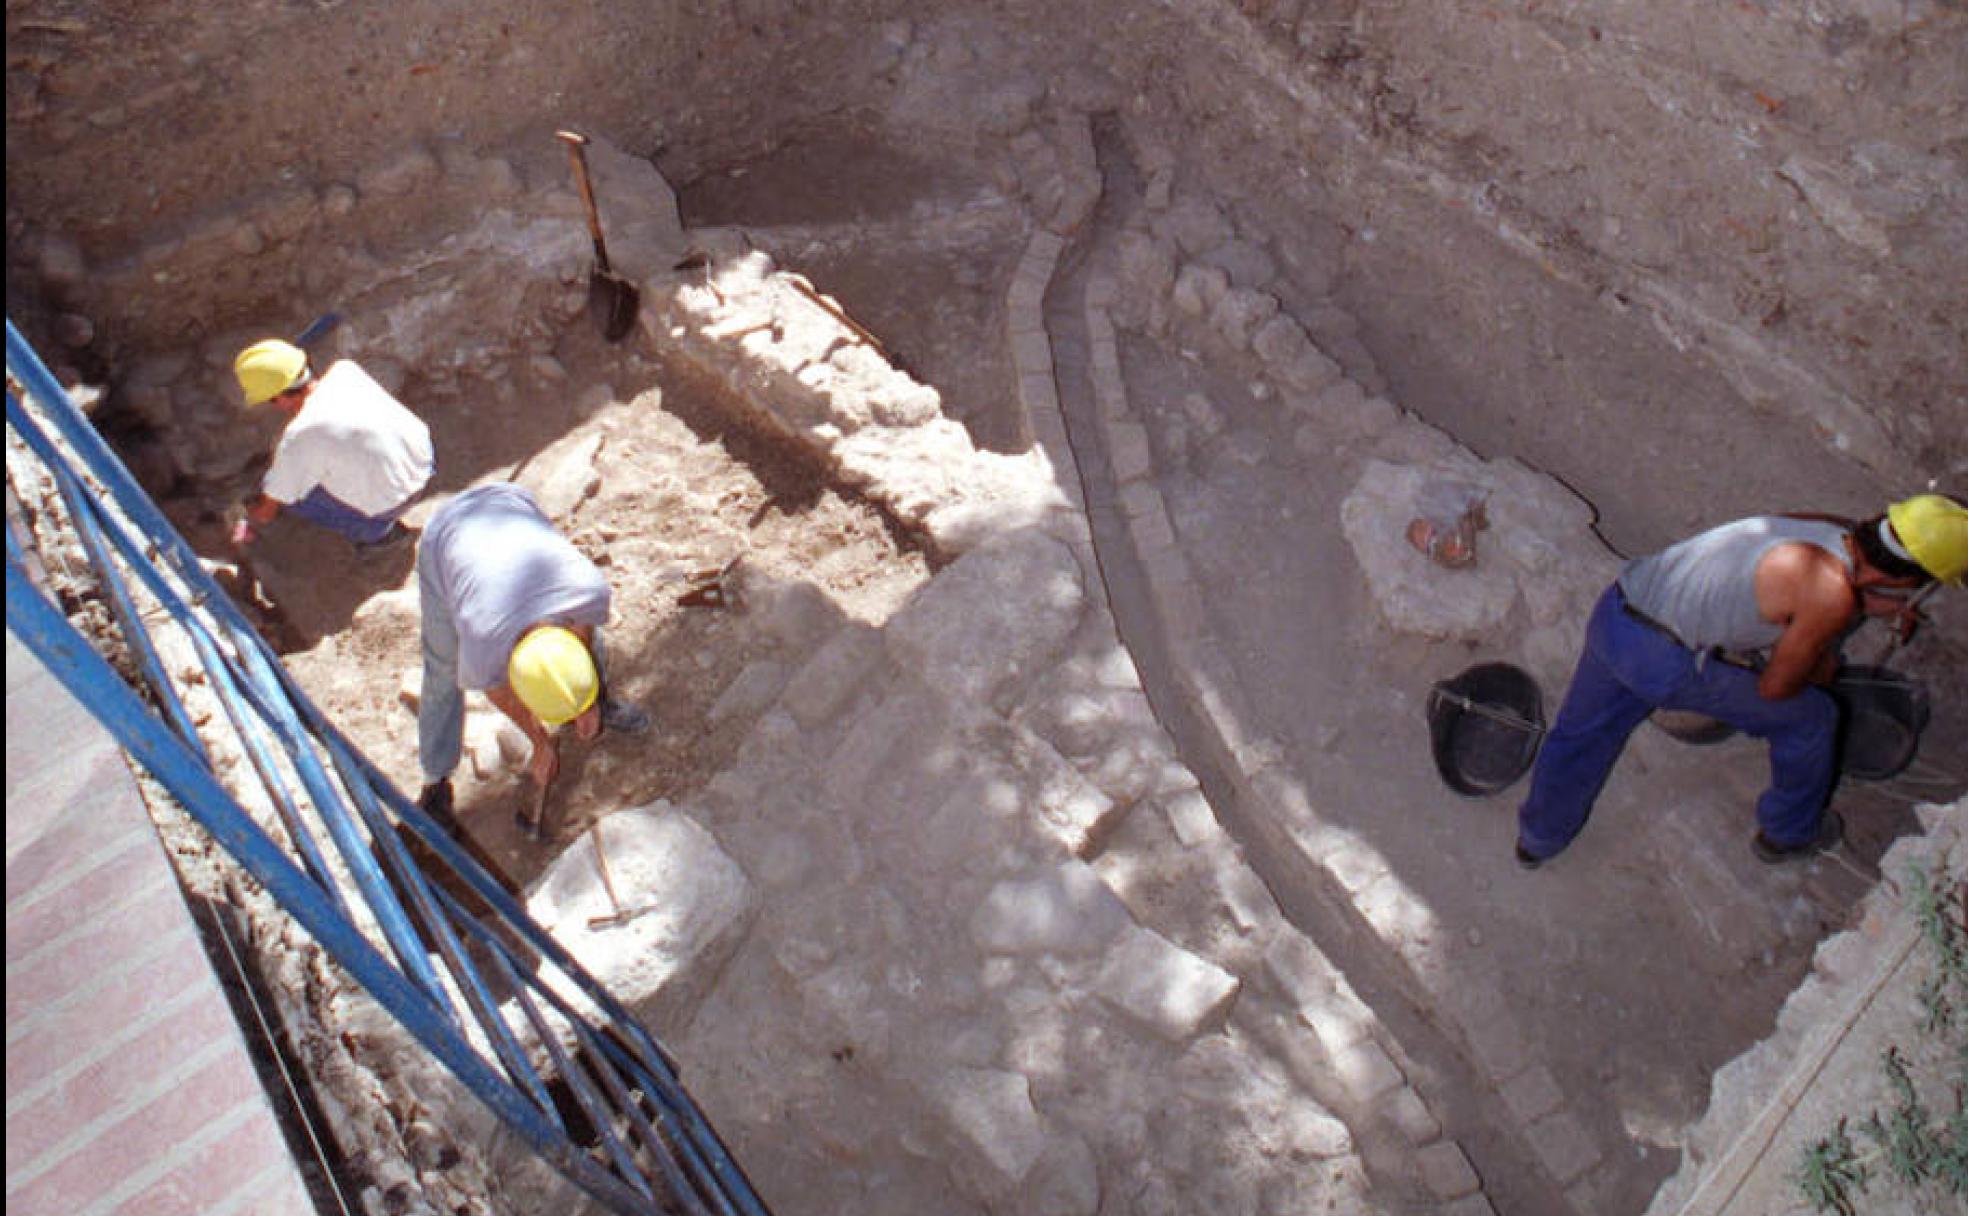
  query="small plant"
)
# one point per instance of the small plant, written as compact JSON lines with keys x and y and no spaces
{"x":1910,"y":1145}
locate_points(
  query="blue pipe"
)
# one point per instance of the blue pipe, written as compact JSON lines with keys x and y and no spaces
{"x":83,"y":513}
{"x":262,"y":684}
{"x":414,"y":882}
{"x":252,"y":732}
{"x":92,"y":682}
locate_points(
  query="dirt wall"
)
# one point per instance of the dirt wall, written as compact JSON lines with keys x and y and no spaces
{"x":176,"y":167}
{"x":1550,"y":216}
{"x":1553,"y":216}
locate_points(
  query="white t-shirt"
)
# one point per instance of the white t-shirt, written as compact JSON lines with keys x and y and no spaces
{"x":353,"y":440}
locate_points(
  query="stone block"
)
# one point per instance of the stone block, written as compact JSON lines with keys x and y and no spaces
{"x":1412,"y":1116}
{"x":1281,"y":342}
{"x":1356,"y":866}
{"x":1165,"y":988}
{"x":1032,"y":352}
{"x":1366,"y":1070}
{"x":1300,"y":970}
{"x":1532,"y":1094}
{"x":989,"y":1115}
{"x":1151,"y":529}
{"x":998,"y":613}
{"x":831,"y":677}
{"x":1563,"y":1146}
{"x":1037,"y":391}
{"x":688,"y":907}
{"x":1190,"y":817}
{"x":1501,"y":1052}
{"x":1110,"y":393}
{"x":1245,"y":896}
{"x":1128,"y":452}
{"x":1446,"y":1170}
{"x":1065,"y":909}
{"x":1198,"y":289}
{"x":1238,"y":314}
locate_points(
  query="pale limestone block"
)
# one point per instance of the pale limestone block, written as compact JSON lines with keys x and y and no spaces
{"x":1167,"y":989}
{"x":989,"y":1114}
{"x":1065,"y":909}
{"x":1446,"y":1170}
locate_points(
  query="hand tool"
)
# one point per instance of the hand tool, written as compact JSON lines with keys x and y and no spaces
{"x":712,"y":588}
{"x":612,"y":300}
{"x":533,"y":826}
{"x":805,"y":287}
{"x":620,"y":916}
{"x":318,"y":329}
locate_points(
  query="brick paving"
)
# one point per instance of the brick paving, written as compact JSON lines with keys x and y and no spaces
{"x":129,"y":1086}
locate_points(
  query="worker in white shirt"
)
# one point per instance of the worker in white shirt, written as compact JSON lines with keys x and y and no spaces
{"x":351,"y":459}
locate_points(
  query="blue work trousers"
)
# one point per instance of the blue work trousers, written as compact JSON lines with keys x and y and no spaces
{"x":441,"y":703}
{"x":321,"y":507}
{"x":1628,"y":670}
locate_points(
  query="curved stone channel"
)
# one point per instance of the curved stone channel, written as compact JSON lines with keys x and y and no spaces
{"x":1145,"y":576}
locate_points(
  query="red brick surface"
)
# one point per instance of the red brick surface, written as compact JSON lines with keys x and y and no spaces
{"x":128,"y":1152}
{"x":72,"y":904}
{"x":182,"y":1041}
{"x":100,"y":954}
{"x":248,"y":1162}
{"x":129,"y":1086}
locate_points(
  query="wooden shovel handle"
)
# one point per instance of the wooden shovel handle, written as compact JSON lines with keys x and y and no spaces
{"x":577,"y":153}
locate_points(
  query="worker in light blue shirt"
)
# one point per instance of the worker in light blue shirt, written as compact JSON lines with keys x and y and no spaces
{"x":512,"y":608}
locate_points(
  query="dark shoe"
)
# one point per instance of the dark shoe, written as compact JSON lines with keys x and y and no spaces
{"x":1529,"y":861}
{"x":1831,"y":830}
{"x":622,"y":718}
{"x":392,"y":541}
{"x":435,"y":800}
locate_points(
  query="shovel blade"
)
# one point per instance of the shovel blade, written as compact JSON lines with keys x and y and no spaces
{"x":613,"y":302}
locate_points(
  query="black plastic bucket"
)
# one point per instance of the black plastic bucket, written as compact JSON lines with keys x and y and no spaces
{"x":1485,"y":726}
{"x":1883,"y":715}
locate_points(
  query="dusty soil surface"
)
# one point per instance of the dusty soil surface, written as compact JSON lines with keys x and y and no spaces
{"x":1635,"y":987}
{"x":1625,"y":982}
{"x":677,"y":493}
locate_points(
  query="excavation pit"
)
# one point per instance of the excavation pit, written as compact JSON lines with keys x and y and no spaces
{"x":1068,"y":733}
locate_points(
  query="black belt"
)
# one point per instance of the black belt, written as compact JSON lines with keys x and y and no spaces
{"x":1745,"y":659}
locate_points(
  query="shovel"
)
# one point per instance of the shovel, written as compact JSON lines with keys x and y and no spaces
{"x":612,"y":299}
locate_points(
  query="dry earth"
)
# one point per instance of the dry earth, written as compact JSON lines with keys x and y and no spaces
{"x":1625,"y":965}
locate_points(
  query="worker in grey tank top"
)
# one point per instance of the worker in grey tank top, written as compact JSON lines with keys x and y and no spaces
{"x":1740,"y":623}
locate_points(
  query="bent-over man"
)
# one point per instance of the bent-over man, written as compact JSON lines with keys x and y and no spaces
{"x":351,"y":458}
{"x":1740,"y":623}
{"x":511,"y":607}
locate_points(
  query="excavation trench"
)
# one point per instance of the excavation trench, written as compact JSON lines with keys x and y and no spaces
{"x":1098,"y":864}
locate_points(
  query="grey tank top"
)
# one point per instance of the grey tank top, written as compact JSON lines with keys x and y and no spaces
{"x":1704,"y":588}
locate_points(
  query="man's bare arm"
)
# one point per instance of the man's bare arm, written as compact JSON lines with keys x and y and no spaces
{"x":1805,"y":590}
{"x":545,"y":763}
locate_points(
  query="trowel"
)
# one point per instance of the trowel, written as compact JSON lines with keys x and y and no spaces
{"x":612,"y":300}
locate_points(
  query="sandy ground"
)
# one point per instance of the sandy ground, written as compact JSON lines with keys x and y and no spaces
{"x":1633,"y":989}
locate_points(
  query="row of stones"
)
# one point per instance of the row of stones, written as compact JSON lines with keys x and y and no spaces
{"x":1475,"y":1004}
{"x":1248,"y":319}
{"x":1753,"y":1128}
{"x":750,"y":333}
{"x":1325,"y":1002}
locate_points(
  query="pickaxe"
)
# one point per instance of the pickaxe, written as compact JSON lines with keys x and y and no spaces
{"x":620,"y":916}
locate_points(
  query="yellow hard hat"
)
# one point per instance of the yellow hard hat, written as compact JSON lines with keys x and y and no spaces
{"x":266,"y":369}
{"x":1934,"y":529}
{"x":552,"y":674}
